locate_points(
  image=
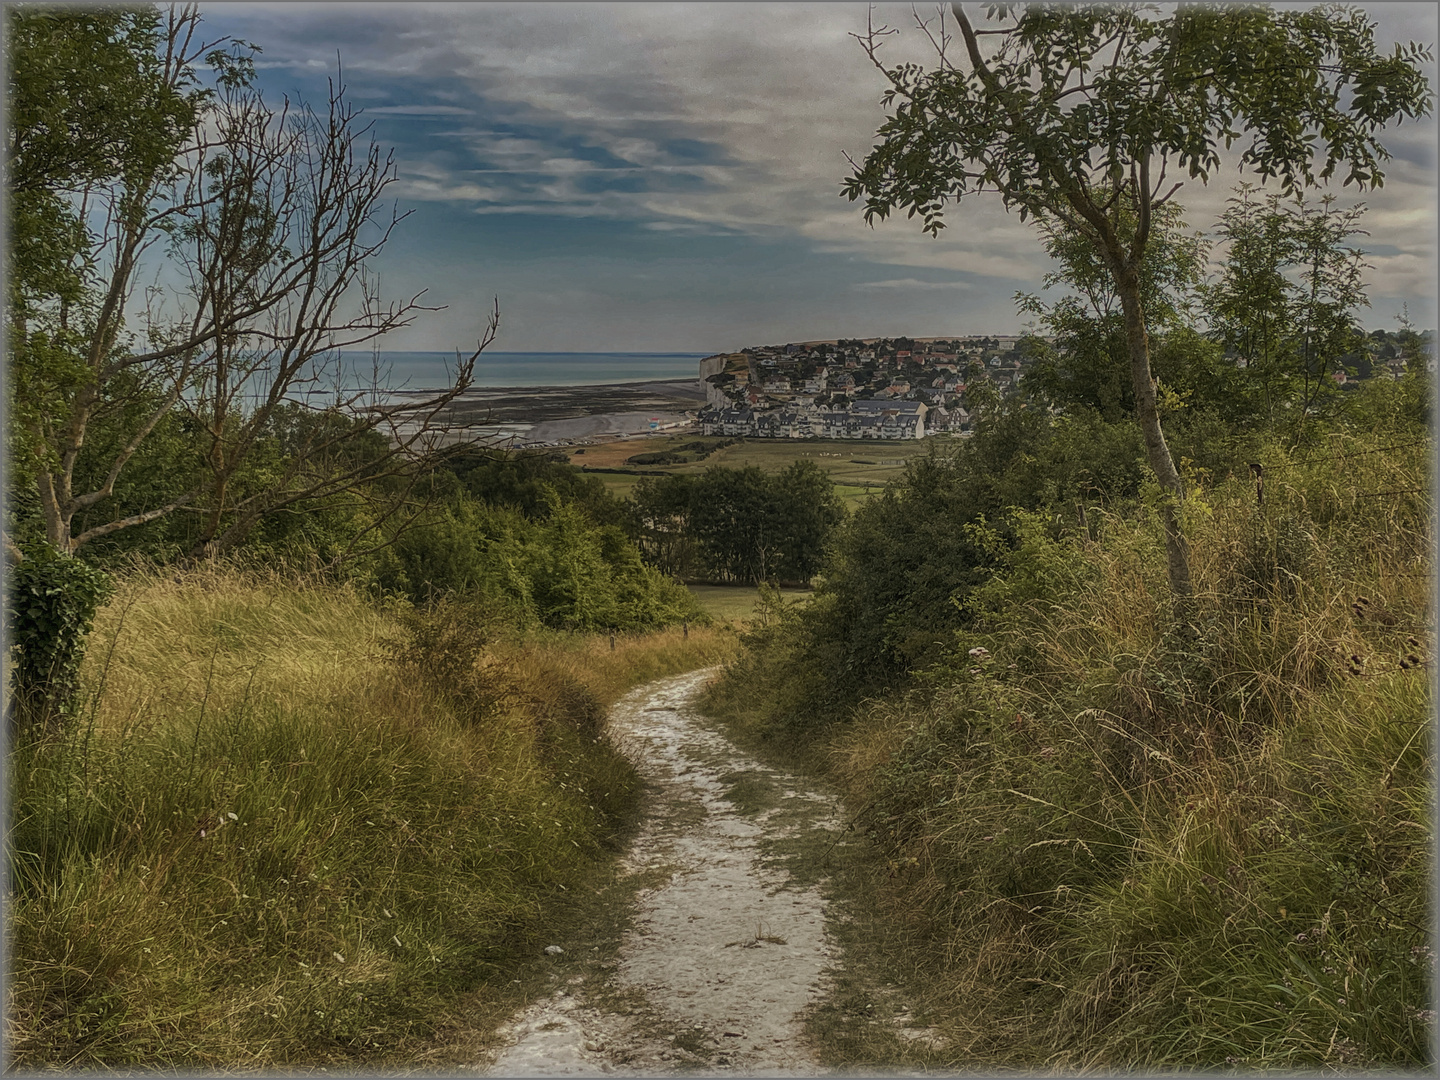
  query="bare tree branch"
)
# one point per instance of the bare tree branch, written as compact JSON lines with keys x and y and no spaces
{"x":270,"y":218}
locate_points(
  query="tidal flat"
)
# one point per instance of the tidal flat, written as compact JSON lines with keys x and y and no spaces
{"x":535,"y":415}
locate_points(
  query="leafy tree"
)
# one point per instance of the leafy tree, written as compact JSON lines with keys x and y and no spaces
{"x":661,"y":511}
{"x":592,"y":578}
{"x":89,"y":100}
{"x":809,"y":511}
{"x":892,"y":593}
{"x":1088,"y":363}
{"x":739,"y":524}
{"x":1084,"y":114}
{"x":733,"y":518}
{"x":981,"y":396}
{"x":1286,"y":299}
{"x":562,"y":571}
{"x":529,"y":480}
{"x":886,"y":603}
{"x":1331,"y":290}
{"x":1416,"y":348}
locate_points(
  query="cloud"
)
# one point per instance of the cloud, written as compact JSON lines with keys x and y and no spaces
{"x":417,"y":110}
{"x":711,"y":86}
{"x":428,"y":190}
{"x":911,"y":284}
{"x":696,"y":121}
{"x":773,"y":92}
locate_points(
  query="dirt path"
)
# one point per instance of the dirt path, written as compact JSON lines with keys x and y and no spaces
{"x":728,"y":945}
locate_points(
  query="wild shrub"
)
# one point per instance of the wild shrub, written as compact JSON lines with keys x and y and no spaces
{"x":446,"y":645}
{"x":894,"y":597}
{"x":50,"y":604}
{"x":562,"y":572}
{"x":774,"y":688}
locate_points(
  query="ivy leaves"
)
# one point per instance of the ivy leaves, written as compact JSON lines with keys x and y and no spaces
{"x":50,"y":604}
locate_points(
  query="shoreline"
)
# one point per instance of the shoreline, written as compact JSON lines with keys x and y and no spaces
{"x":685,"y":387}
{"x":564,"y":415}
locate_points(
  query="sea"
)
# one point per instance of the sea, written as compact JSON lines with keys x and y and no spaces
{"x":435,"y":370}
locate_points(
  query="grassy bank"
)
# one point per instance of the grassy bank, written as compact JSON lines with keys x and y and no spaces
{"x":292,"y":827}
{"x":1107,"y":833}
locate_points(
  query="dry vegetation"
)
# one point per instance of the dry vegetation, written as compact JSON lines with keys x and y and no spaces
{"x":293,"y":827}
{"x":1108,"y":836}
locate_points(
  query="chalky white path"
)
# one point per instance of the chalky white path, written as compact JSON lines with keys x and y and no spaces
{"x":699,"y":947}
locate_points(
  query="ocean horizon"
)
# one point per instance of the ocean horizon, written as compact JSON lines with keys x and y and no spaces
{"x":405,"y":370}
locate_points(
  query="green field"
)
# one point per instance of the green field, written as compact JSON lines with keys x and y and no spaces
{"x":859,"y":469}
{"x":737,"y":602}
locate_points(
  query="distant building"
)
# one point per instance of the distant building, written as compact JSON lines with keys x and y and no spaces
{"x":727,"y":421}
{"x":868,"y":419}
{"x":906,"y":419}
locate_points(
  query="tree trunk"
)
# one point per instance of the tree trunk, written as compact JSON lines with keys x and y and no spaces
{"x":1147,"y":412}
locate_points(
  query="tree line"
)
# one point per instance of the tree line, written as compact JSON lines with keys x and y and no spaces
{"x":738,"y":525}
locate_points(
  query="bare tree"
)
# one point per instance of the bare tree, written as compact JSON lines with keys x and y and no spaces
{"x":260,"y":231}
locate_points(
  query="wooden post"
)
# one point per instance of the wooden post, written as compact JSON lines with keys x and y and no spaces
{"x":1259,"y":471}
{"x":612,"y":642}
{"x":685,"y":625}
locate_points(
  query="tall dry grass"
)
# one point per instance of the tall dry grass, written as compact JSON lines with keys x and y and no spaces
{"x":1122,"y":834}
{"x":609,"y":667}
{"x":291,"y":828}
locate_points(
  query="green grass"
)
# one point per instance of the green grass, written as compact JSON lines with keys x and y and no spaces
{"x":844,"y":460}
{"x":736,"y":603}
{"x":853,"y":495}
{"x":619,"y":484}
{"x":858,"y":468}
{"x":278,"y":836}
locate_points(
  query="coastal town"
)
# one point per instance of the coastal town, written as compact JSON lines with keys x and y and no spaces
{"x":886,"y":389}
{"x":883,"y":389}
{"x":875,"y":388}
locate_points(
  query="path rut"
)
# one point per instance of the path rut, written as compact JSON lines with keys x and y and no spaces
{"x":726,"y":952}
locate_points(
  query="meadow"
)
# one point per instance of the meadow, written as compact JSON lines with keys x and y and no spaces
{"x":859,"y":470}
{"x":294,"y":826}
{"x":739,"y":603}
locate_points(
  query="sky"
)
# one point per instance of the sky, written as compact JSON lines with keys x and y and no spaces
{"x":665,"y":177}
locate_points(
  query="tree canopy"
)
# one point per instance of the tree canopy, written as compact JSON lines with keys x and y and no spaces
{"x":1094,"y":116}
{"x":738,"y":524}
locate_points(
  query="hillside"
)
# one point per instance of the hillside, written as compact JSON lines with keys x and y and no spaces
{"x":1114,"y":830}
{"x":295,"y":828}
